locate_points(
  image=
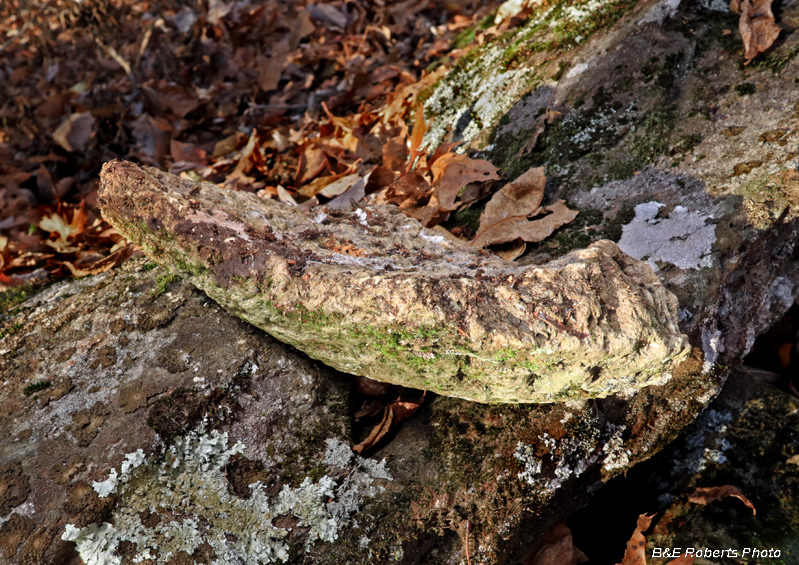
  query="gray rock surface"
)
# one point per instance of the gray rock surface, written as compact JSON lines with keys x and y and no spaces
{"x":139,"y":416}
{"x":656,"y":97}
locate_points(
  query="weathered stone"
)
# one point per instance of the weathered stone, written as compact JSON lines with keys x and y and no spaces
{"x":510,"y":470}
{"x":372,"y":293}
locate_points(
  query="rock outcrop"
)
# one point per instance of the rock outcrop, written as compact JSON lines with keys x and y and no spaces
{"x":373,"y":293}
{"x":668,"y":145}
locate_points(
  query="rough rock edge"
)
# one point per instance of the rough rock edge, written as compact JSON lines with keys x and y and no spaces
{"x":373,"y":293}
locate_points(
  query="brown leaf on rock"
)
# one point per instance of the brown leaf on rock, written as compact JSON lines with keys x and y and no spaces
{"x":406,"y":192}
{"x":756,"y":24}
{"x":393,"y":415}
{"x":521,"y":197}
{"x":635,"y":554}
{"x":706,"y":495}
{"x":102,"y":264}
{"x":452,"y":172}
{"x":75,"y":131}
{"x":555,"y":548}
{"x":529,"y":230}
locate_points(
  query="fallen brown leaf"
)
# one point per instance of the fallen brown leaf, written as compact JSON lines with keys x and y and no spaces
{"x":406,"y":192}
{"x":393,"y":415}
{"x":756,"y":24}
{"x":452,"y":172}
{"x":511,"y":228}
{"x":419,"y":129}
{"x":635,"y":554}
{"x":103,"y":264}
{"x":706,"y":495}
{"x":75,"y":131}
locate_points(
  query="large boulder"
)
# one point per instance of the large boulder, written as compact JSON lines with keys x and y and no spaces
{"x":144,"y":422}
{"x":244,"y":441}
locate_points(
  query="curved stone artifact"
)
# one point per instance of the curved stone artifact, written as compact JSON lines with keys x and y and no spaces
{"x":371,"y":292}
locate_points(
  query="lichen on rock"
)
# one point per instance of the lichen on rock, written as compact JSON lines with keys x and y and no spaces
{"x":186,"y":500}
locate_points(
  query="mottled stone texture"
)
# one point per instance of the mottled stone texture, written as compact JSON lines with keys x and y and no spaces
{"x":137,"y":362}
{"x":372,"y":293}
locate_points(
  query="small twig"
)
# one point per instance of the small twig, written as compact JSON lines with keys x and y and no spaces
{"x":557,"y":325}
{"x":26,"y":25}
{"x":116,"y":57}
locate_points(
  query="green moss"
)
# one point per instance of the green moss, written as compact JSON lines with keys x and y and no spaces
{"x":36,"y":387}
{"x":162,"y":283}
{"x":777,"y":60}
{"x":464,"y":39}
{"x":745,"y":88}
{"x":12,"y":297}
{"x":10,"y":330}
{"x":149,"y":266}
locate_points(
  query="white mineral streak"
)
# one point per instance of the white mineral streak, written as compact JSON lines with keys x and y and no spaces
{"x":189,"y":484}
{"x":577,"y":70}
{"x":711,"y":347}
{"x":684,"y":239}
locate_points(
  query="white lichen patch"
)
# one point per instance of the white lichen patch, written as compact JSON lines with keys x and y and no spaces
{"x":109,"y":486}
{"x":483,"y":92}
{"x":660,"y":11}
{"x":571,"y":456}
{"x":188,"y":490}
{"x":473,"y":96}
{"x":684,"y":239}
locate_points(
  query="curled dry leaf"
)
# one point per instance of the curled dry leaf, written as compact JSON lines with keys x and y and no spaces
{"x":103,"y":264}
{"x":706,"y":495}
{"x":509,"y":229}
{"x":451,"y":172}
{"x":75,"y":131}
{"x":756,"y":24}
{"x":635,"y":554}
{"x":505,"y":217}
{"x":406,"y":192}
{"x":393,"y":415}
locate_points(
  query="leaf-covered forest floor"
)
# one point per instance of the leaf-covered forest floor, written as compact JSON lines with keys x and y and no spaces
{"x":281,"y":99}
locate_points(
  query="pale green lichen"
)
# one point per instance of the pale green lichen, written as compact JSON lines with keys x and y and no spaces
{"x":188,"y":490}
{"x":490,"y":79}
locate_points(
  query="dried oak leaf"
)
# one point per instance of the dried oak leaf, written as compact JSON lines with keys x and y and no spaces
{"x":75,"y":131}
{"x":56,"y":223}
{"x":706,"y":495}
{"x":505,"y":217}
{"x":756,"y":24}
{"x":393,"y":415}
{"x":406,"y":192}
{"x":635,"y":554}
{"x":555,"y":548}
{"x":101,"y":265}
{"x":451,"y":172}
